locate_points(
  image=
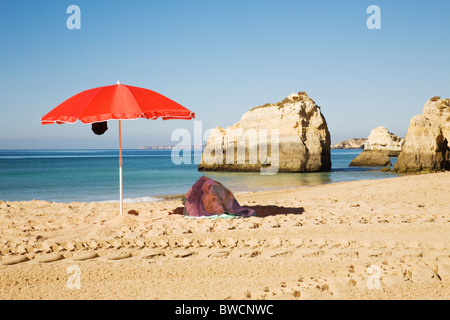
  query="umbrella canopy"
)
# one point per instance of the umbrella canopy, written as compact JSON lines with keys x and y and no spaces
{"x":119,"y":102}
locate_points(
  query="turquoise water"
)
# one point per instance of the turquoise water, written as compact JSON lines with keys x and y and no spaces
{"x":93,"y":175}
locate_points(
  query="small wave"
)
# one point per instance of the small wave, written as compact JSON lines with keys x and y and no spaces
{"x":133,"y":200}
{"x":357,"y":169}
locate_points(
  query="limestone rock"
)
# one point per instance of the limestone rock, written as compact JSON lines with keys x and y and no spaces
{"x":288,"y":136}
{"x":426,"y":145}
{"x":380,"y":139}
{"x":371,"y":159}
{"x":350,"y":144}
{"x":380,"y":145}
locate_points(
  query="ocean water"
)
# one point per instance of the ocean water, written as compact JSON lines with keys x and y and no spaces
{"x":148,"y":175}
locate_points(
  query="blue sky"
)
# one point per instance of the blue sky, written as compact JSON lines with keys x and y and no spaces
{"x":220,"y":59}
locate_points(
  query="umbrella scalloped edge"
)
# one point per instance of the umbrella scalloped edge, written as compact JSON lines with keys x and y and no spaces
{"x":186,"y":115}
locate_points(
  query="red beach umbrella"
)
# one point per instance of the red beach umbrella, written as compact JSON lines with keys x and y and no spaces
{"x":119,"y":102}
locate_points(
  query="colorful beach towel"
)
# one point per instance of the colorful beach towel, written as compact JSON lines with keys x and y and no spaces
{"x":208,"y":197}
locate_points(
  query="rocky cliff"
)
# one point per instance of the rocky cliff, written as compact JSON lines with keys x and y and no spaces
{"x":357,"y":143}
{"x":380,"y":145}
{"x":288,"y":136}
{"x":426,"y":145}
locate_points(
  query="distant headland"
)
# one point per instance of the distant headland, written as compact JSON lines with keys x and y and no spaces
{"x":170,"y":147}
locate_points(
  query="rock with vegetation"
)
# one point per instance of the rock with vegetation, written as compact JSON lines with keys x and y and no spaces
{"x":288,"y":136}
{"x":426,"y":145}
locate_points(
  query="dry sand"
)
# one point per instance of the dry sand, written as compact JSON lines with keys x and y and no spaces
{"x":377,"y":239}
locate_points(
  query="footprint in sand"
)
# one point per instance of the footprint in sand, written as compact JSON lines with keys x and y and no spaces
{"x":228,"y":242}
{"x":85,"y":256}
{"x":206,"y":243}
{"x":185,"y":243}
{"x":282,"y":254}
{"x":50,"y":258}
{"x":220,"y":254}
{"x":252,"y":243}
{"x":152,"y":254}
{"x":183,"y":254}
{"x":119,"y":256}
{"x":250,"y":254}
{"x":15,"y":260}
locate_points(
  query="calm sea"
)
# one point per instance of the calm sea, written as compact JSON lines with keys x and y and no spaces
{"x":93,"y":175}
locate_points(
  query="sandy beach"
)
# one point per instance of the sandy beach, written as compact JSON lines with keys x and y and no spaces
{"x":371,"y":239}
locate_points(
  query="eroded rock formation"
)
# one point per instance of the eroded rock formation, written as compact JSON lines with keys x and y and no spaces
{"x":426,"y":145}
{"x":288,"y":136}
{"x":380,"y":145}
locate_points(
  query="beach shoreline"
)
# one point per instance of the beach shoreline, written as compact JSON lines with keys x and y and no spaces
{"x":366,"y":239}
{"x":149,"y":175}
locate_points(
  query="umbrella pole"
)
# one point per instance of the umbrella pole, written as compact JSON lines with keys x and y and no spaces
{"x":120,"y":167}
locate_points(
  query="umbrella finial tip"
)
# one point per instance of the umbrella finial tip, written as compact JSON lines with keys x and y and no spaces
{"x":118,"y":82}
